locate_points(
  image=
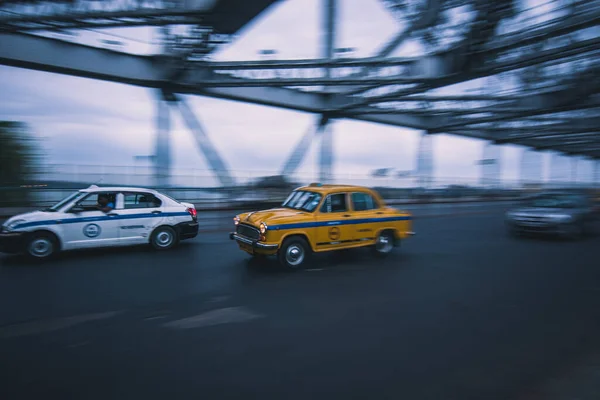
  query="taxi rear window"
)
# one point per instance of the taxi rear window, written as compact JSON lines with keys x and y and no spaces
{"x":141,"y":200}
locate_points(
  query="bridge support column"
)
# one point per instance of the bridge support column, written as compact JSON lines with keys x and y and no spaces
{"x":574,"y":170}
{"x":325,"y":130}
{"x":162,"y":146}
{"x":531,"y":168}
{"x":424,"y":170}
{"x":491,"y":165}
{"x":597,"y":174}
{"x":214,"y":160}
{"x":330,"y":12}
{"x":299,"y":152}
{"x":559,"y":170}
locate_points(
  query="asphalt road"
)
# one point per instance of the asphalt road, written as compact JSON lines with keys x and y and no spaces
{"x":461,"y":311}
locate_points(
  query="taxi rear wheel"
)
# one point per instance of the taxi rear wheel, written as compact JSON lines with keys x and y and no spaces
{"x":384,"y":244}
{"x":163,"y":238}
{"x":41,"y":246}
{"x":294,"y":253}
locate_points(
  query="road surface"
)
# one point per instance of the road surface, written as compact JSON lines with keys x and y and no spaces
{"x":461,"y":311}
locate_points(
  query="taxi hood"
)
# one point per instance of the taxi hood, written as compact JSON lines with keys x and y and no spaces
{"x":28,"y":217}
{"x":273,"y":215}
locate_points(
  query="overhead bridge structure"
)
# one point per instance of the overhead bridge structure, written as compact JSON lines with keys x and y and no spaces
{"x":510,"y":74}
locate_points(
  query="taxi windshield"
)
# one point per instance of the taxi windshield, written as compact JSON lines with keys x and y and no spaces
{"x":302,"y":200}
{"x":65,"y":201}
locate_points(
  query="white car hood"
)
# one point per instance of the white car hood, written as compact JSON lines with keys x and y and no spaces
{"x":31,"y":216}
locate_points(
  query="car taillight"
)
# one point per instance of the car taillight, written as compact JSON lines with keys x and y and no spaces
{"x":193,"y":213}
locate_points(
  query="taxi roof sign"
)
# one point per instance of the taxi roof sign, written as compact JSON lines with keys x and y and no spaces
{"x":315,"y":184}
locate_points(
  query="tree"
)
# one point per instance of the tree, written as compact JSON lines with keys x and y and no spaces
{"x":19,"y":161}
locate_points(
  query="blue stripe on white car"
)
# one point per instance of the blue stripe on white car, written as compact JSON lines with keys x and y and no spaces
{"x":100,"y":218}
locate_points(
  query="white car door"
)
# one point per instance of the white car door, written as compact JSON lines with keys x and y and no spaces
{"x":83,"y":226}
{"x":141,"y":213}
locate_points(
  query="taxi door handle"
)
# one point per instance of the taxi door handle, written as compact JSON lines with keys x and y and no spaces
{"x":347,"y":215}
{"x":113,"y":215}
{"x":156,"y":212}
{"x":379,"y":212}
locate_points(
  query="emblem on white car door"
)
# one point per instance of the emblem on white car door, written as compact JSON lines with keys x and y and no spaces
{"x":92,"y":230}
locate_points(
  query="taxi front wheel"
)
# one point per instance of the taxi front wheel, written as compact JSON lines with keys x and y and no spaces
{"x":293,"y":253}
{"x":163,"y":238}
{"x":41,"y":246}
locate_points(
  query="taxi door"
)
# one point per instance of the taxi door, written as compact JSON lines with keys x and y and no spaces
{"x":83,"y":226}
{"x":334,"y":220}
{"x":141,"y":213}
{"x":367,"y":212}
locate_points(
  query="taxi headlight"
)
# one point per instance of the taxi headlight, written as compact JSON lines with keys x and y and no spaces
{"x":263,"y":228}
{"x":12,"y":224}
{"x":236,"y":220}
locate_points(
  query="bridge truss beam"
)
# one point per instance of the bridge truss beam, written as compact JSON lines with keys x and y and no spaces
{"x":20,"y":16}
{"x":39,"y":53}
{"x":481,"y":53}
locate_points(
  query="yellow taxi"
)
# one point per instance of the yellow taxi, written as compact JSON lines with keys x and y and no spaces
{"x":319,"y":218}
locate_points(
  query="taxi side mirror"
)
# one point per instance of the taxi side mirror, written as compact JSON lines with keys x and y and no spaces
{"x":76,"y":209}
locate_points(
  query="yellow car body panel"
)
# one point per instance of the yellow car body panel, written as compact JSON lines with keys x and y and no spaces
{"x":324,"y":228}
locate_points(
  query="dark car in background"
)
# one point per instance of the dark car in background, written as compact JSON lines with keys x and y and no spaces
{"x":568,"y":214}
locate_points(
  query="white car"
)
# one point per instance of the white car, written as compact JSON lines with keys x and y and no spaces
{"x":136,"y":216}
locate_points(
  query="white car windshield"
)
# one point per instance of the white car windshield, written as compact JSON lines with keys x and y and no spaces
{"x":302,"y":200}
{"x":65,"y":201}
{"x":554,"y":201}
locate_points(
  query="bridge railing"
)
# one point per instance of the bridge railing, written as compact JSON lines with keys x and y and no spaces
{"x":219,"y":198}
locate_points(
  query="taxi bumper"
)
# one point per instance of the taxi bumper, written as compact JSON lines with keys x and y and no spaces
{"x":188,"y":230}
{"x":11,"y":242}
{"x":254,"y":243}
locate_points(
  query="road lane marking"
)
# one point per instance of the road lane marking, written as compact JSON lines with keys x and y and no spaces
{"x":155,"y":317}
{"x":44,"y":326}
{"x":221,"y":316}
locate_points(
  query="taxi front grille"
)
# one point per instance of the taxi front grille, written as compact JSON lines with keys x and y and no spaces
{"x":248,"y":231}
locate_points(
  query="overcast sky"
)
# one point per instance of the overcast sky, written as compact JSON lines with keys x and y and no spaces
{"x":84,"y":121}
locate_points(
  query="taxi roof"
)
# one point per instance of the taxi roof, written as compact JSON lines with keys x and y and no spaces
{"x":326,"y":188}
{"x":95,"y":188}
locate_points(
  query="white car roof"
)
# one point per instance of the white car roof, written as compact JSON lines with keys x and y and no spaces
{"x":94,"y":188}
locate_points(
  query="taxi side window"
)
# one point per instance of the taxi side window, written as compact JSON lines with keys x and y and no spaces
{"x":140,"y":200}
{"x":363,"y":202}
{"x":334,"y":203}
{"x":90,"y":202}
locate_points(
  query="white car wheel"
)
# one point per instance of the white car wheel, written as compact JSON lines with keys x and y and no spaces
{"x":164,"y":238}
{"x":41,"y":246}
